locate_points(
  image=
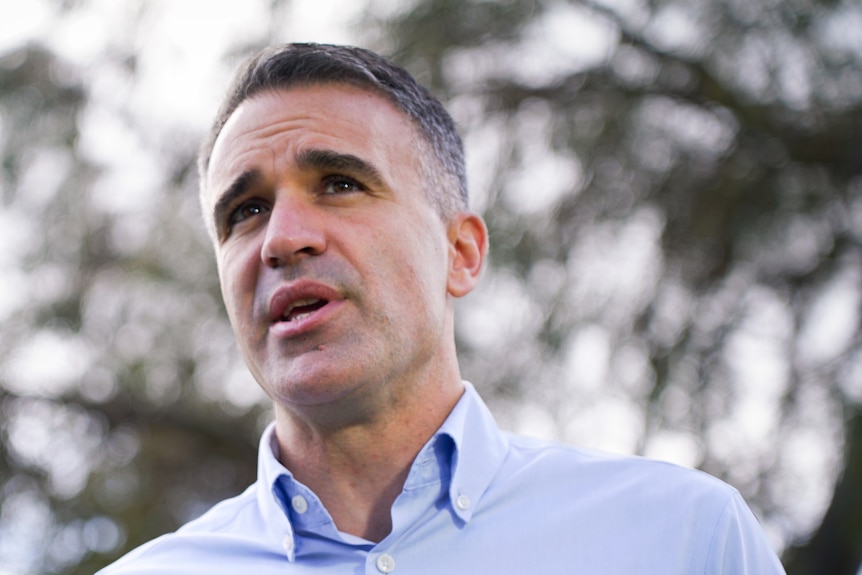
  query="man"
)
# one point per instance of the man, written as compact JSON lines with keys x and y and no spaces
{"x":333,"y":187}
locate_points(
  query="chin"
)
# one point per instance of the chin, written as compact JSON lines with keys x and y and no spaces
{"x":314,"y":389}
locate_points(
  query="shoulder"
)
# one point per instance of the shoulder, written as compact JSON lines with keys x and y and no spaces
{"x":629,"y":481}
{"x":633,"y":512}
{"x":193,"y":542}
{"x":529,"y":450}
{"x":228,"y":515}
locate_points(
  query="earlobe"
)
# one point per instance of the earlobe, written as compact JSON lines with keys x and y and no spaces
{"x":468,"y":245}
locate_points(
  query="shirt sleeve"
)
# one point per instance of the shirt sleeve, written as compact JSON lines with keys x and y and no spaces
{"x":739,"y":545}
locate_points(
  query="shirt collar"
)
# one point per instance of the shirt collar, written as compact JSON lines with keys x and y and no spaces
{"x":469,"y":438}
{"x":272,"y":507}
{"x":479,"y":450}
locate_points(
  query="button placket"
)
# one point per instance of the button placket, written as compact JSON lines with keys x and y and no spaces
{"x":287,"y":543}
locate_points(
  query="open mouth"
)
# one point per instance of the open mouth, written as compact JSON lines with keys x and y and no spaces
{"x":303,"y":308}
{"x":302,"y":305}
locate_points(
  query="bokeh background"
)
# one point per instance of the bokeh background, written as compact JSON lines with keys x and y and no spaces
{"x":674,"y":193}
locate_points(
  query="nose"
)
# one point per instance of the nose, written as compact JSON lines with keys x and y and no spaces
{"x":294,"y":231}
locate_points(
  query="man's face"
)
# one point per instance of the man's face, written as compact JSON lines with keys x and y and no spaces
{"x":334,"y":267}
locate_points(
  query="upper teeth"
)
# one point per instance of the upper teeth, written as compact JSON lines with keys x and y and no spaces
{"x":302,"y":302}
{"x":298,"y":304}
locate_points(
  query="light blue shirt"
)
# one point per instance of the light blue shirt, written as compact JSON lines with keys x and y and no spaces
{"x":479,"y":501}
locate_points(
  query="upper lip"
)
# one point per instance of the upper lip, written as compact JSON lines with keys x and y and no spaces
{"x":300,"y":292}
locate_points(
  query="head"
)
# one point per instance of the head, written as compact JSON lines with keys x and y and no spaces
{"x":340,"y":233}
{"x":282,"y":67}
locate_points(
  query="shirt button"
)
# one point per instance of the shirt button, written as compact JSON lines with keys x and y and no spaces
{"x":300,"y":505}
{"x":385,"y":563}
{"x":462,"y":502}
{"x":287,"y":543}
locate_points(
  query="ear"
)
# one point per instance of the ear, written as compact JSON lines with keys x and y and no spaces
{"x":468,"y":246}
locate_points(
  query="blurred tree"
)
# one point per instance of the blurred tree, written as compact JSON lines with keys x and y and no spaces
{"x":674,"y":196}
{"x":115,"y":390}
{"x":674,"y":192}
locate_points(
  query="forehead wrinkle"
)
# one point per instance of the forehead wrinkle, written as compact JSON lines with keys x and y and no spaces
{"x":273,"y":133}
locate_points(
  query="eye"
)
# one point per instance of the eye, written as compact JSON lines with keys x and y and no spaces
{"x":245,"y":211}
{"x":341,"y":185}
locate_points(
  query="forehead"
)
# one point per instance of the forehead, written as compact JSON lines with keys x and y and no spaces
{"x":338,"y":117}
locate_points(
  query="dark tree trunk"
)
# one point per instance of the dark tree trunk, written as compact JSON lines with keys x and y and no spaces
{"x":836,"y":547}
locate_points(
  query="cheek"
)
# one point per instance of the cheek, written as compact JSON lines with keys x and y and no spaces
{"x":422,"y":271}
{"x":237,"y":277}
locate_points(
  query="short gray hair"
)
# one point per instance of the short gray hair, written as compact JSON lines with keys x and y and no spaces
{"x":290,"y":65}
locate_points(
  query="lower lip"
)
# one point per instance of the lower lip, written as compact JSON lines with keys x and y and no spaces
{"x":301,"y":326}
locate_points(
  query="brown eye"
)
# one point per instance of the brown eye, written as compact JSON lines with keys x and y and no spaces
{"x":341,"y":185}
{"x":245,"y":211}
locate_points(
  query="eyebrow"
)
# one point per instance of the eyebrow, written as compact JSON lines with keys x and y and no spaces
{"x":327,"y":160}
{"x":308,"y":159}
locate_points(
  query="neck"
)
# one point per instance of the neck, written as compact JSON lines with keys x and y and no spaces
{"x":357,"y":469}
